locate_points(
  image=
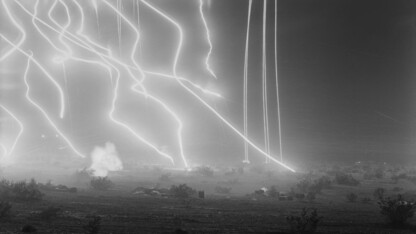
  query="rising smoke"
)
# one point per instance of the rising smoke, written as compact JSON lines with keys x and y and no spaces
{"x":105,"y":159}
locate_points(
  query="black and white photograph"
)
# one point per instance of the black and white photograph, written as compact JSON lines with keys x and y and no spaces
{"x":208,"y":116}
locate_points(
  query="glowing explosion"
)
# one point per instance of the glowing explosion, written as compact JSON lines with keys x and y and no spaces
{"x":72,"y":45}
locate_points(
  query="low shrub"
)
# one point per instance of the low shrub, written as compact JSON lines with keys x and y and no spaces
{"x":222,"y":190}
{"x":397,"y":210}
{"x":307,"y":222}
{"x":49,"y":213}
{"x":182,"y":191}
{"x":5,"y":208}
{"x":346,"y":179}
{"x":20,"y":191}
{"x":273,"y":192}
{"x":379,"y":193}
{"x":101,"y":183}
{"x":310,"y":196}
{"x":165,"y":177}
{"x":29,"y":228}
{"x":366,"y":200}
{"x":351,"y":197}
{"x":205,"y":171}
{"x":93,"y":226}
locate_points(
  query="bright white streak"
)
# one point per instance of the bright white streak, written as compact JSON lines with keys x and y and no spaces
{"x":68,"y":52}
{"x":95,"y":6}
{"x":17,"y":47}
{"x":201,"y":4}
{"x":264,"y":76}
{"x":205,"y":91}
{"x":111,"y":115}
{"x":246,"y":159}
{"x":45,"y":115}
{"x":115,"y":92}
{"x":46,"y":73}
{"x":23,"y":37}
{"x":86,"y":46}
{"x":178,"y":50}
{"x":277,"y":82}
{"x":119,"y":25}
{"x":144,"y":92}
{"x":61,"y":94}
{"x":21,"y":129}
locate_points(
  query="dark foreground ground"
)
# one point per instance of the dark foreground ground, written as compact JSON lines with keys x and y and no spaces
{"x":237,"y":212}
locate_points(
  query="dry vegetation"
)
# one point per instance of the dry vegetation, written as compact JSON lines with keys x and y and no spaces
{"x":359,"y":198}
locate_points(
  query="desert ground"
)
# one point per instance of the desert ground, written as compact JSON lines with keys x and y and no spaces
{"x":244,"y":199}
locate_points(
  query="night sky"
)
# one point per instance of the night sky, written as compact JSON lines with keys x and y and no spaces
{"x":346,"y":80}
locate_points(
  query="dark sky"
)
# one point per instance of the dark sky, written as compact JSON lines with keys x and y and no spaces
{"x":346,"y":80}
{"x":346,"y":72}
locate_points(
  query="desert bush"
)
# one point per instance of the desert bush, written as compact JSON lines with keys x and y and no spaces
{"x":20,"y":191}
{"x":204,"y":171}
{"x":26,"y":191}
{"x":303,"y":185}
{"x":397,"y":189}
{"x":346,"y":179}
{"x":240,"y":170}
{"x":379,"y":173}
{"x":56,"y":188}
{"x":182,"y":191}
{"x":299,"y":196}
{"x":306,"y":185}
{"x":397,"y":177}
{"x":379,"y":193}
{"x":223,"y":190}
{"x":101,"y":183}
{"x":49,"y":213}
{"x":93,"y":225}
{"x":258,"y":169}
{"x":397,"y":210}
{"x":229,"y":182}
{"x":29,"y":228}
{"x":82,"y":175}
{"x":307,"y":222}
{"x":324,"y":182}
{"x":273,"y":192}
{"x":165,"y":177}
{"x":5,"y":208}
{"x":311,"y":196}
{"x":366,"y":200}
{"x":351,"y":197}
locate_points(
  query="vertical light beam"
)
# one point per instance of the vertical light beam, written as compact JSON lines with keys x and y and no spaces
{"x":264,"y":79}
{"x":277,"y":82}
{"x":246,"y":159}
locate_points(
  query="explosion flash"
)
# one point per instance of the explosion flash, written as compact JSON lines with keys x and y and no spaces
{"x":125,"y":72}
{"x":105,"y":159}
